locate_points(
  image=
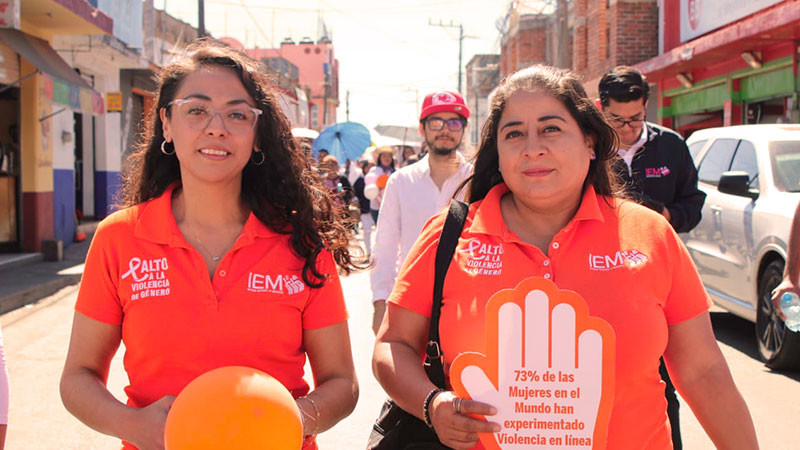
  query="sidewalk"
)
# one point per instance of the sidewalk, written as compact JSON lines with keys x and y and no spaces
{"x":30,"y":282}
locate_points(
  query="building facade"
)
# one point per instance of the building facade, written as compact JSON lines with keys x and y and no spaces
{"x":525,"y":42}
{"x":483,"y":75}
{"x":317,"y":70}
{"x":610,"y":33}
{"x":39,"y":94}
{"x":710,"y":62}
{"x":87,"y":168}
{"x":726,"y":62}
{"x":75,"y":85}
{"x":598,"y":34}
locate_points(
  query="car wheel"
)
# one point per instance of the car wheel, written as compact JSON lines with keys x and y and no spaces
{"x":778,"y":347}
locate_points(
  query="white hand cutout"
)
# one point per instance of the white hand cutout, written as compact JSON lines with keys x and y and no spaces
{"x":550,"y":379}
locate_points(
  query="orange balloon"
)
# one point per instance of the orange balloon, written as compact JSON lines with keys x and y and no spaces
{"x":236,"y":408}
{"x":381,"y":181}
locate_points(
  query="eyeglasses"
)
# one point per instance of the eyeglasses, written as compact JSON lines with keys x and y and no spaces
{"x":619,"y":123}
{"x":437,"y":124}
{"x":197,"y":114}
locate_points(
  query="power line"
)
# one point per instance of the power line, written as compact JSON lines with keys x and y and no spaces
{"x":350,"y":14}
{"x":461,"y":38}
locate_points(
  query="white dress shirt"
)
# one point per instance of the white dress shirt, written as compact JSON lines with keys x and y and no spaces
{"x":409,"y":200}
{"x":628,"y":154}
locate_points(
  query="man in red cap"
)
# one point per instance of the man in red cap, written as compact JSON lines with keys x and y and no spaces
{"x":415,"y":193}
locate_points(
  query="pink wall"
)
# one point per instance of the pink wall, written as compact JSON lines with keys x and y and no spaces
{"x":309,"y":59}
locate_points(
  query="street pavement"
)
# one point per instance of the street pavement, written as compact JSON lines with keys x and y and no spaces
{"x":36,"y":338}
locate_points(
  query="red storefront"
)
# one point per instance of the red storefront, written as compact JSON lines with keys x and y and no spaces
{"x":726,"y":62}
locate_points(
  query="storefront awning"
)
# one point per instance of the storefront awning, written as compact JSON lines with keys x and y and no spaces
{"x":62,"y":84}
{"x":774,"y":25}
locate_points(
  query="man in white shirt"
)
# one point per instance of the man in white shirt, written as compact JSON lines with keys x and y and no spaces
{"x":415,"y":193}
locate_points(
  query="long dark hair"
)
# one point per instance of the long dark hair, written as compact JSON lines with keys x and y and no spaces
{"x":565,"y":86}
{"x":284,"y":193}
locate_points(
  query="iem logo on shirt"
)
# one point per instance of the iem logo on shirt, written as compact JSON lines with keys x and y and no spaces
{"x":630,"y":258}
{"x":656,"y":172}
{"x":280,"y":284}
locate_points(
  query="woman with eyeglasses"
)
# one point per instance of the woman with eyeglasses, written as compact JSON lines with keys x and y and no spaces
{"x":225,"y":254}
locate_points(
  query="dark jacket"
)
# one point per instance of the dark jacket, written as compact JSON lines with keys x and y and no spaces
{"x":347,"y":191}
{"x":663,"y":174}
{"x":358,"y":188}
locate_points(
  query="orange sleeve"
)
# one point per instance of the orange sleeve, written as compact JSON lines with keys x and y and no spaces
{"x":97,"y":297}
{"x":687,"y":297}
{"x":325,"y":305}
{"x":413,"y":289}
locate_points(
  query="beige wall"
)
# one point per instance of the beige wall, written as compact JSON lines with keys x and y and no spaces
{"x":35,"y":137}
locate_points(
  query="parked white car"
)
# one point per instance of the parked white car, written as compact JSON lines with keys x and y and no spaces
{"x":751,"y":177}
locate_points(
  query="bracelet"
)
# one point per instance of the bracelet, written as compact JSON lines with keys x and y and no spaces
{"x":426,"y":413}
{"x":315,"y":417}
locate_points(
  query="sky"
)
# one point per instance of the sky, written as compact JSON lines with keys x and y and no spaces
{"x":389,"y":55}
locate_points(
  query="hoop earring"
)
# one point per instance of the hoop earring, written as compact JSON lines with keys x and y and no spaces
{"x":164,"y":150}
{"x":263,"y":157}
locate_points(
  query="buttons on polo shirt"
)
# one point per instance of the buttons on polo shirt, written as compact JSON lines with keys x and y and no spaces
{"x":547,"y":275}
{"x":546,"y":262}
{"x":555,"y":244}
{"x":222,"y":273}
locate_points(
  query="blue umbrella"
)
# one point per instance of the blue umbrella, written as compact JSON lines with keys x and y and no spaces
{"x":345,"y":140}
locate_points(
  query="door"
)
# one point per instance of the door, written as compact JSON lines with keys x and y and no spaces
{"x":10,"y":197}
{"x":705,"y":241}
{"x":736,"y":223}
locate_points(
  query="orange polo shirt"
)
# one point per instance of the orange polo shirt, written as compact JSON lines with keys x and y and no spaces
{"x":178,"y":323}
{"x":623,"y":259}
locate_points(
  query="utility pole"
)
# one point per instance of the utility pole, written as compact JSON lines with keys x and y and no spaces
{"x":564,"y":59}
{"x":460,"y":43}
{"x":201,"y":17}
{"x":347,"y":106}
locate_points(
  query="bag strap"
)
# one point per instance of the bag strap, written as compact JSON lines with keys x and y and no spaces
{"x":448,"y":240}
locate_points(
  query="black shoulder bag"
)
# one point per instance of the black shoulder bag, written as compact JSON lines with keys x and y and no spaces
{"x":396,"y":429}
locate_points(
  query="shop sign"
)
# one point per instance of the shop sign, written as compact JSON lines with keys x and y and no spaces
{"x":76,"y":98}
{"x":698,"y":17}
{"x":113,"y":101}
{"x":9,"y":14}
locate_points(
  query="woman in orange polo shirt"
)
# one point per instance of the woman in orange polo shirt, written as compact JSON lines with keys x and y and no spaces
{"x":226,"y":254}
{"x":544,"y":202}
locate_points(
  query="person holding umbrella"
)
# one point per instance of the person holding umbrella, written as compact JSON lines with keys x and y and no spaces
{"x":415,"y":193}
{"x":345,"y":140}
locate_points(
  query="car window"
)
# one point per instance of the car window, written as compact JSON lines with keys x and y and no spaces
{"x":695,"y":147}
{"x":745,"y":160}
{"x":785,"y":159}
{"x":716,"y":160}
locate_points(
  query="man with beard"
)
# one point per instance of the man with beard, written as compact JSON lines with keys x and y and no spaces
{"x":415,"y":193}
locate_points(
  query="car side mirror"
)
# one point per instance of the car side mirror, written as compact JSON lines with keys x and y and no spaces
{"x":737,"y":183}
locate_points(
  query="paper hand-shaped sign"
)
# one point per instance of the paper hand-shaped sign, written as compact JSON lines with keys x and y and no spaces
{"x":549,"y":370}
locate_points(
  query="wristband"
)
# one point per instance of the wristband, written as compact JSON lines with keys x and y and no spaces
{"x":303,"y":414}
{"x":426,"y":411}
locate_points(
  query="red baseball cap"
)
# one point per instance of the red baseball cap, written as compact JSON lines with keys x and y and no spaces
{"x":444,"y":101}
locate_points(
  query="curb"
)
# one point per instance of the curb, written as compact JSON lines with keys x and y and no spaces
{"x":27,"y":296}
